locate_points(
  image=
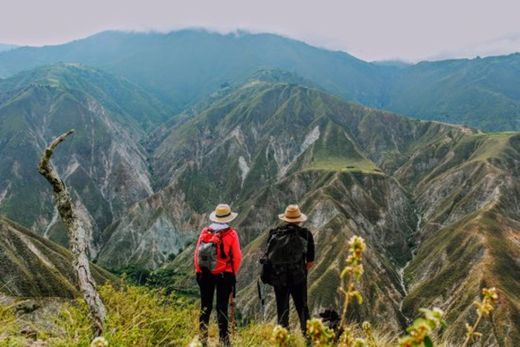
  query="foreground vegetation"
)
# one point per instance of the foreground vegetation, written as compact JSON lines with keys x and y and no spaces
{"x":137,"y":316}
{"x":144,"y":316}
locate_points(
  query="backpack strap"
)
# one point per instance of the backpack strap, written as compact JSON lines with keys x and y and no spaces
{"x":224,"y":233}
{"x":231,"y":260}
{"x":221,"y":234}
{"x":269,"y":237}
{"x":222,"y":250}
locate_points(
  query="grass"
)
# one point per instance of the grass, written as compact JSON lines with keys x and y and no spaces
{"x":345,"y":165}
{"x":137,"y":316}
{"x":141,"y":316}
{"x":8,"y":326}
{"x":491,"y":145}
{"x":335,"y":151}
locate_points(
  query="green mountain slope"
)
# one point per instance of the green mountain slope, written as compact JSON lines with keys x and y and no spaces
{"x":437,"y":203}
{"x":32,"y":266}
{"x":468,"y":239}
{"x":127,"y":101}
{"x":103,"y":162}
{"x":183,"y":67}
{"x":407,"y":186}
{"x":478,"y":92}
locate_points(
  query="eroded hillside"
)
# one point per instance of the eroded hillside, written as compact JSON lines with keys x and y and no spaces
{"x":105,"y":164}
{"x":32,"y":266}
{"x":436,"y":203}
{"x":409,"y":187}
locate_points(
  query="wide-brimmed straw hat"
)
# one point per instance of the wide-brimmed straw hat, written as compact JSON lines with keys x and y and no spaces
{"x":222,"y":214}
{"x":293,"y":215}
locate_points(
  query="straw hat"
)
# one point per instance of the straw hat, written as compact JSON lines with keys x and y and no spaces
{"x":222,"y":214}
{"x":293,"y":215}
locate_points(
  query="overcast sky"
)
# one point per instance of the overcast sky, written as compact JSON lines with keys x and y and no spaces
{"x":410,"y":30}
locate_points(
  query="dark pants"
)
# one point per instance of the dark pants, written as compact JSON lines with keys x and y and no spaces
{"x":298,"y":292}
{"x":224,"y":284}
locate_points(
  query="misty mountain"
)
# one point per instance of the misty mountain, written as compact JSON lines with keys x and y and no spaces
{"x":183,"y":67}
{"x":4,"y":47}
{"x":482,"y":92}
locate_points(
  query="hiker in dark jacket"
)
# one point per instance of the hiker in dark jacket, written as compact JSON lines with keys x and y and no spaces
{"x":217,"y":261}
{"x":290,"y":254}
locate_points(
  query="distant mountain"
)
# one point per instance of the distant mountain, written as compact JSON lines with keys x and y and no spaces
{"x":478,"y":92}
{"x":184,"y":67}
{"x":32,"y":266}
{"x":4,"y":47}
{"x":103,"y":161}
{"x":437,"y":203}
{"x":394,"y":63}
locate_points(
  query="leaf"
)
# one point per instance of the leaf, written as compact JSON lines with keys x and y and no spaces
{"x":428,"y":342}
{"x":358,"y":297}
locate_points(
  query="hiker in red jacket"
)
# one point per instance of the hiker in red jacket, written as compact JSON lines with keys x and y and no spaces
{"x":217,"y":261}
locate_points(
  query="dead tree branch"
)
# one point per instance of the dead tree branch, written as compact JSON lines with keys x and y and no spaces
{"x":77,"y":236}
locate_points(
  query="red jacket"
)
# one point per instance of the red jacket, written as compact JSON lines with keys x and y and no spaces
{"x":231,"y":248}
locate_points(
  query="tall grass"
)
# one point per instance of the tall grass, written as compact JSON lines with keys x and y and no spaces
{"x":137,"y":316}
{"x":9,"y":327}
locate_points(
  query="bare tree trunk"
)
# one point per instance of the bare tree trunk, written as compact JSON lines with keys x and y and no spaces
{"x":77,"y":236}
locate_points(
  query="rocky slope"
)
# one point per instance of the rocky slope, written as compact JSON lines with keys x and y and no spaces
{"x":32,"y":266}
{"x":469,"y":235}
{"x":150,"y":232}
{"x":103,"y":162}
{"x":436,"y":203}
{"x":438,"y":200}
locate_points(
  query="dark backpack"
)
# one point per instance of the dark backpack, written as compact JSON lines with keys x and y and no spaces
{"x":210,"y":249}
{"x":284,"y":259}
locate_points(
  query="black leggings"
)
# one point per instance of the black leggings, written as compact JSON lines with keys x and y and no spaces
{"x":299,"y":294}
{"x":224,"y":285}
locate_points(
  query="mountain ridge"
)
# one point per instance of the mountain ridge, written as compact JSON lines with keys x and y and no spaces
{"x":183,"y":67}
{"x":423,"y":194}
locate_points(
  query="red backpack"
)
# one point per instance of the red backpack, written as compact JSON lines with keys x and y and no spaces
{"x":211,"y":249}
